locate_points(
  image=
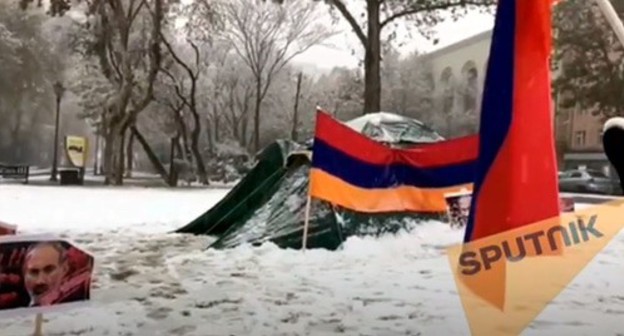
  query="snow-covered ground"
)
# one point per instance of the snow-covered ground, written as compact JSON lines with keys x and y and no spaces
{"x":150,"y":282}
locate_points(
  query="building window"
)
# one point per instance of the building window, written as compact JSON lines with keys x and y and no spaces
{"x":600,"y":136}
{"x":580,"y":138}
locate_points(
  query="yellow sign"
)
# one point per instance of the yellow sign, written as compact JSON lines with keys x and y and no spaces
{"x":506,"y":280}
{"x":76,"y":149}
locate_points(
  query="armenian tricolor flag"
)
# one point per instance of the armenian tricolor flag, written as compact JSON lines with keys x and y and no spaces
{"x":358,"y":173}
{"x":516,"y":173}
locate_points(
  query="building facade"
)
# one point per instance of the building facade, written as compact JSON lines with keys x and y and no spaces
{"x":580,"y":133}
{"x":459,"y":70}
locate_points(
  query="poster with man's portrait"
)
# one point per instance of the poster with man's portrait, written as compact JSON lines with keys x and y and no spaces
{"x":458,"y":205}
{"x":42,"y":272}
{"x":7,"y":229}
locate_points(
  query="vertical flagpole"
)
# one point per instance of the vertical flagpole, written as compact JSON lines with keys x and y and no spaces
{"x":612,"y":18}
{"x":306,"y":223}
{"x":38,"y":325}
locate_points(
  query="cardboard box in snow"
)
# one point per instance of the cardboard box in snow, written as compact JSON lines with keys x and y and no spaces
{"x":39,"y":273}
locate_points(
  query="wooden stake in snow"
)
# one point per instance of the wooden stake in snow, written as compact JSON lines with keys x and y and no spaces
{"x":612,"y":18}
{"x":39,"y":325}
{"x":306,"y":223}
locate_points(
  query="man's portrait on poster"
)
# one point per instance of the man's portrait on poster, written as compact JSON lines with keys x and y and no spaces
{"x":43,"y":273}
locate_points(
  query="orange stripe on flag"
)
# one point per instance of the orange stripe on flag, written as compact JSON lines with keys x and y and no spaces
{"x":405,"y":198}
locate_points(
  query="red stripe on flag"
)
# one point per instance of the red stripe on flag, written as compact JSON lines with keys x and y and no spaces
{"x":354,"y":144}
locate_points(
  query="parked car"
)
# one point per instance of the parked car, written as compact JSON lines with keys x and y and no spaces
{"x":587,"y":181}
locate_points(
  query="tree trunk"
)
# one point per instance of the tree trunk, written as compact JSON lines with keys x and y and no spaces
{"x":217,"y":127}
{"x":234,"y":124}
{"x":185,"y":149}
{"x":178,"y":149}
{"x":160,"y":169}
{"x":173,"y":173}
{"x":183,"y":134}
{"x":199,"y":160}
{"x":209,"y":133}
{"x":257,"y":115}
{"x":96,"y":155}
{"x":130,"y":155}
{"x":109,"y":156}
{"x":295,"y":124}
{"x":16,"y":141}
{"x":244,"y":127}
{"x":215,"y":120}
{"x":120,"y":159}
{"x":372,"y":60}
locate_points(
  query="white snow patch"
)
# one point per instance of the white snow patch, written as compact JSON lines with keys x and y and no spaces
{"x":97,"y":210}
{"x":376,"y":119}
{"x":149,"y":282}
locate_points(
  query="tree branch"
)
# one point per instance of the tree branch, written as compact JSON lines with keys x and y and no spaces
{"x":178,"y":60}
{"x":154,"y":56}
{"x":178,"y":88}
{"x":342,"y":8}
{"x":197,"y":58}
{"x":438,"y":6}
{"x":133,"y":14}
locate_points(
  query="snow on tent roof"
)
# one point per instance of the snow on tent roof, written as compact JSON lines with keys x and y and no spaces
{"x":393,"y":128}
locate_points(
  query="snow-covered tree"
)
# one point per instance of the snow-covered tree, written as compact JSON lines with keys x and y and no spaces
{"x":29,"y":64}
{"x":123,"y":37}
{"x":372,"y":20}
{"x":267,"y":37}
{"x":408,"y":86}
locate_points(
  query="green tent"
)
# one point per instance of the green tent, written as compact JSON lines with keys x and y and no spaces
{"x":268,"y":204}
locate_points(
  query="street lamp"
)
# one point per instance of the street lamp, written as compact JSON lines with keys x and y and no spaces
{"x":58,"y":92}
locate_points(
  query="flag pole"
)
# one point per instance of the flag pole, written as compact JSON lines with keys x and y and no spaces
{"x":306,"y":223}
{"x":38,"y":325}
{"x":609,"y":12}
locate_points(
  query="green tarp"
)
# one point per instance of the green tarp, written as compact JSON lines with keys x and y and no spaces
{"x":268,"y":205}
{"x":250,"y":193}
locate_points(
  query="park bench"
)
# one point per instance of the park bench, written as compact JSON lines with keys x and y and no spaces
{"x":15,"y":172}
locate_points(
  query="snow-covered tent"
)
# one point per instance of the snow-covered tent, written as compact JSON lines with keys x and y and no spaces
{"x":269,"y":203}
{"x":391,"y":128}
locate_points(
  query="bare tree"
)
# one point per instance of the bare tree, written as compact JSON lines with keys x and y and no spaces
{"x":407,"y":85}
{"x":167,"y":96}
{"x":124,"y":37}
{"x":267,"y":37}
{"x":190,"y":101}
{"x":29,"y":63}
{"x":368,"y":19}
{"x":217,"y":61}
{"x":237,"y":98}
{"x":341,"y":92}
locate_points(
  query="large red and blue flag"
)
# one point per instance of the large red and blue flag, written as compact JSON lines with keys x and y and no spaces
{"x":358,"y":173}
{"x":516,"y":172}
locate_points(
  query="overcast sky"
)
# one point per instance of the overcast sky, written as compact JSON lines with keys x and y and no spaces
{"x":341,"y":54}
